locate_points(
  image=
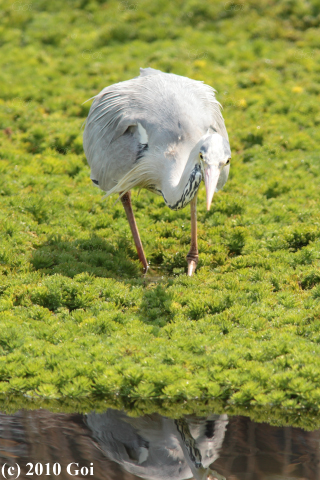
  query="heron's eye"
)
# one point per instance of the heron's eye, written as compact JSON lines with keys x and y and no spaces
{"x":228,"y":161}
{"x":201,"y":156}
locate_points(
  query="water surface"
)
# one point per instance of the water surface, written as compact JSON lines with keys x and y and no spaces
{"x":115,"y":446}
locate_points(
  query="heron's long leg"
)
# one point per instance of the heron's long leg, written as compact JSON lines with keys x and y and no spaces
{"x":193,"y":256}
{"x":126,"y":202}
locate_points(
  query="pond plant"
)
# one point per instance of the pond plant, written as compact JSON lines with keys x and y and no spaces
{"x":80,"y":324}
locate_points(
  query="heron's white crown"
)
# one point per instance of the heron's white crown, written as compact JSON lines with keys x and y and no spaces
{"x":215,"y":150}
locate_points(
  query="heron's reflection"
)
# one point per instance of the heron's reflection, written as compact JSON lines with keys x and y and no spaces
{"x":159,"y":448}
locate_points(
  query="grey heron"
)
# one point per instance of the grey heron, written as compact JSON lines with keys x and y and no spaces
{"x":155,"y":447}
{"x":162,"y":132}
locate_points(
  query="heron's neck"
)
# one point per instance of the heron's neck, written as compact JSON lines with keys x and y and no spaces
{"x":179,"y":196}
{"x":191,"y":452}
{"x":183,"y":176}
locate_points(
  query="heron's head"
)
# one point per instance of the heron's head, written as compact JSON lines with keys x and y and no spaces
{"x":214,"y":157}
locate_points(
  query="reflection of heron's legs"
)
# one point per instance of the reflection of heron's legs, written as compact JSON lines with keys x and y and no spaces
{"x":126,"y":202}
{"x":193,"y":256}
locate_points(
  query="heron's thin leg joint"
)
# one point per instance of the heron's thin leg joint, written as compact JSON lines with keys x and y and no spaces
{"x":126,"y":198}
{"x":193,"y":256}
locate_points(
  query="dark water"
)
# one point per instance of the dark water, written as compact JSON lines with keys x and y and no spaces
{"x":113,"y":446}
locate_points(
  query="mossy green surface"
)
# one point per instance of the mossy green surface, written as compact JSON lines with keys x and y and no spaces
{"x":79,"y":322}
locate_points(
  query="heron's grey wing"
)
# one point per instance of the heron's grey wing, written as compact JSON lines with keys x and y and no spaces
{"x":113,"y":138}
{"x":119,"y":440}
{"x":120,"y":122}
{"x":203,"y":92}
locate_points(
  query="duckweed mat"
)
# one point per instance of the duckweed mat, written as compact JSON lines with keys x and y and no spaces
{"x":79,"y":322}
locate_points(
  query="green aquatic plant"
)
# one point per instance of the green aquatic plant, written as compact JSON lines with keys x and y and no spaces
{"x":81,"y":327}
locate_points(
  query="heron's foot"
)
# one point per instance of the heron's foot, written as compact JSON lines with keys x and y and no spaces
{"x":145,"y":268}
{"x":192,"y":259}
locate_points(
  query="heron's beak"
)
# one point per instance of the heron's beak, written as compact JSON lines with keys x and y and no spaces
{"x":211,"y":177}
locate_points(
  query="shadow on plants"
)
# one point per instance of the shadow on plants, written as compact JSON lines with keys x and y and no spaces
{"x":94,"y":255}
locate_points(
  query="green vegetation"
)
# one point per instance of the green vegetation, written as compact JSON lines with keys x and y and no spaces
{"x":79,"y":322}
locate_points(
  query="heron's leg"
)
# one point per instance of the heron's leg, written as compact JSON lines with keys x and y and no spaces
{"x":193,"y":256}
{"x":126,"y":202}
